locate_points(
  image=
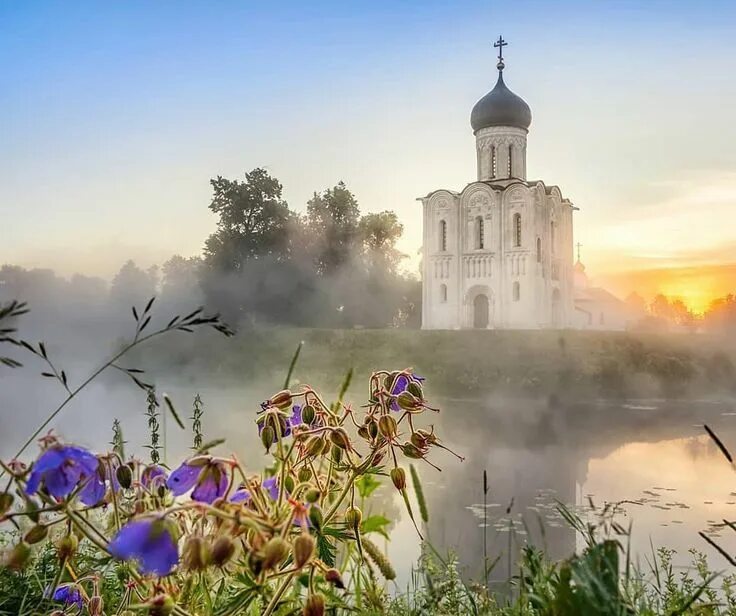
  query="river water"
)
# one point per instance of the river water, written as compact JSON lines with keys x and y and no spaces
{"x":651,"y":454}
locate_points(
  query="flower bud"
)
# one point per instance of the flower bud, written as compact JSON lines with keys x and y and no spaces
{"x":289,"y":484}
{"x":412,"y":451}
{"x":222,"y":550}
{"x":268,"y":436}
{"x":353,"y":518}
{"x":274,"y":552}
{"x":6,"y":502}
{"x":340,"y":438}
{"x":373,"y":429}
{"x":124,"y":475}
{"x":315,"y":445}
{"x":161,"y":605}
{"x":303,"y":549}
{"x":95,"y":606}
{"x":315,"y":605}
{"x":18,"y":556}
{"x":315,"y":517}
{"x":333,"y":577}
{"x":418,"y":440}
{"x":281,"y":400}
{"x":196,"y":553}
{"x":255,"y":562}
{"x":408,"y":402}
{"x":312,"y":495}
{"x":398,"y":477}
{"x":336,"y":454}
{"x":308,"y":414}
{"x":38,"y":533}
{"x":387,"y":426}
{"x":67,"y":546}
{"x":305,"y":474}
{"x":363,"y":432}
{"x":415,"y":389}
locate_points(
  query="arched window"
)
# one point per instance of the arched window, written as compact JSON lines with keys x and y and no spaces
{"x":517,"y":230}
{"x":552,"y":237}
{"x":479,"y":233}
{"x":516,"y":291}
{"x":443,"y":235}
{"x":539,"y":250}
{"x":493,"y":161}
{"x":443,"y":293}
{"x":510,"y":166}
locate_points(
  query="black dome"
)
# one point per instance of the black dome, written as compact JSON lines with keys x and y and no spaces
{"x":500,"y":107}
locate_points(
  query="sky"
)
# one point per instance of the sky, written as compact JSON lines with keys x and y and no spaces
{"x":114,"y":116}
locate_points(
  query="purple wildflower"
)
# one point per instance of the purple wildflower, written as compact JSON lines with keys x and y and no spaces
{"x":62,"y":468}
{"x":207,"y":477}
{"x":149,"y":541}
{"x":270,"y":485}
{"x":68,"y":594}
{"x":296,"y":416}
{"x":400,"y":385}
{"x":154,"y":476}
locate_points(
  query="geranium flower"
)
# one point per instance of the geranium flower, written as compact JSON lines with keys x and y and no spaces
{"x":208,"y":475}
{"x":153,"y":476}
{"x":270,"y":485}
{"x":150,"y":542}
{"x":68,"y":594}
{"x":62,"y":468}
{"x":400,"y":385}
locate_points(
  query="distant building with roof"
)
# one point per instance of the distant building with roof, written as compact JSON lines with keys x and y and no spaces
{"x":499,"y":253}
{"x":596,"y":308}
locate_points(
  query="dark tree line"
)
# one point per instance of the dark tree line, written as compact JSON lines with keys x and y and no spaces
{"x":264,"y":264}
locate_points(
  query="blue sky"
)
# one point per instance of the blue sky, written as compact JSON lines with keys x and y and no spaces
{"x":115,"y":116}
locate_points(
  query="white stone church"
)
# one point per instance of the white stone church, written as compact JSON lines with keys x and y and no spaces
{"x":499,"y":253}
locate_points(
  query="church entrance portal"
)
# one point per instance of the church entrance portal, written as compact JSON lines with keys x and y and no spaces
{"x":480,"y":312}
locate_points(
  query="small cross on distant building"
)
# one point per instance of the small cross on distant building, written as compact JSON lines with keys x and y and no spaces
{"x":578,"y":246}
{"x":500,"y":43}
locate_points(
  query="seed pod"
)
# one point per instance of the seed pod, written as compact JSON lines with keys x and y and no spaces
{"x":363,"y":432}
{"x":289,"y":484}
{"x":373,"y":429}
{"x":305,"y":474}
{"x":340,"y":438}
{"x":326,"y":446}
{"x":18,"y":556}
{"x":124,"y":475}
{"x":95,"y":605}
{"x":196,"y":553}
{"x":6,"y":502}
{"x":268,"y":436}
{"x":388,"y":382}
{"x":398,"y":477}
{"x":32,"y":510}
{"x":418,"y":440}
{"x":412,"y":451}
{"x":308,"y":414}
{"x":315,"y":605}
{"x":378,"y":557}
{"x":387,"y":426}
{"x":353,"y":518}
{"x":315,"y":517}
{"x":38,"y":533}
{"x":315,"y":445}
{"x":408,"y":402}
{"x":312,"y":495}
{"x":303,"y":549}
{"x":336,"y":454}
{"x":67,"y":546}
{"x":274,"y":552}
{"x":415,"y":389}
{"x":161,"y":605}
{"x":333,"y":577}
{"x":255,"y":562}
{"x":281,"y":400}
{"x":222,"y":551}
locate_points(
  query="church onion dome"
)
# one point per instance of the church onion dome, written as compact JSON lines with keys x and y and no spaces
{"x":500,"y":107}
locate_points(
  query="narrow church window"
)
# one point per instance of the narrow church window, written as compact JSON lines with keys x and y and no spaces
{"x":493,"y":161}
{"x":443,"y":293}
{"x":517,"y":291}
{"x":510,"y":166}
{"x":539,"y":250}
{"x":443,"y":235}
{"x":517,"y":230}
{"x":479,"y":233}
{"x":552,"y":236}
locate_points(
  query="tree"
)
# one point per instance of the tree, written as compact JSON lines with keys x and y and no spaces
{"x":133,"y":286}
{"x":180,"y":281}
{"x":379,"y":233}
{"x":333,"y":217}
{"x":253,"y":221}
{"x":721,"y":314}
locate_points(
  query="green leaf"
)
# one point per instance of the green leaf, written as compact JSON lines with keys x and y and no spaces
{"x":326,"y":550}
{"x":375,"y":524}
{"x":293,"y":364}
{"x":172,"y":410}
{"x":366,"y":485}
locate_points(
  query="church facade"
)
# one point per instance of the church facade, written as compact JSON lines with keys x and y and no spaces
{"x":499,"y":253}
